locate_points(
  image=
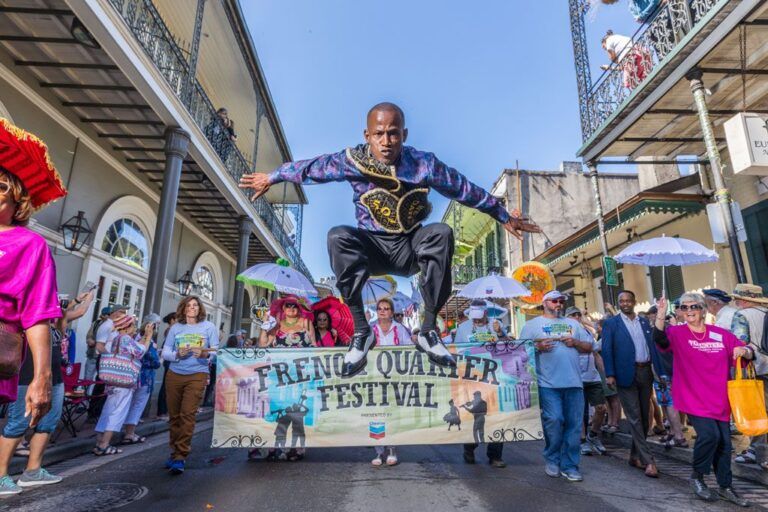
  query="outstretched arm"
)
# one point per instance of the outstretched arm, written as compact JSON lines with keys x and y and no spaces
{"x":454,"y":185}
{"x":322,"y":169}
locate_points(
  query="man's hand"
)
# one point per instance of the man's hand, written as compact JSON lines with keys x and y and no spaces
{"x":544,"y":345}
{"x":517,"y":224}
{"x":569,"y":341}
{"x":258,"y":182}
{"x":38,"y":399}
{"x":610,"y":382}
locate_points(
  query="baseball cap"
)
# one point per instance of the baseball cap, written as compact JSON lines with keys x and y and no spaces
{"x":105,"y":311}
{"x":652,"y":310}
{"x":116,"y":307}
{"x":572,"y":311}
{"x":553,"y":295}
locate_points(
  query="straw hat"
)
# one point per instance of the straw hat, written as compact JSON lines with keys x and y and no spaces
{"x":750,"y":293}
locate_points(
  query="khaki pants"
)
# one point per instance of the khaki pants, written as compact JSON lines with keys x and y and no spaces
{"x":183,"y":394}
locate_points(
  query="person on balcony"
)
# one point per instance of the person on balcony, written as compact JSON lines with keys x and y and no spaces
{"x":632,"y":59}
{"x":221,"y":133}
{"x":391,"y":183}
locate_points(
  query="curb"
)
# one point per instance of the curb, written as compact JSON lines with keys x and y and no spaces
{"x":83,"y":445}
{"x":750,"y":472}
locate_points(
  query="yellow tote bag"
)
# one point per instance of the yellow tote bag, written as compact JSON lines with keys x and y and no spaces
{"x":748,"y":402}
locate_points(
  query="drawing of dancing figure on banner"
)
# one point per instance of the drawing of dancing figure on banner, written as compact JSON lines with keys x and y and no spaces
{"x":479,"y":408}
{"x":281,"y":434}
{"x":452,"y":417}
{"x":296,"y":413}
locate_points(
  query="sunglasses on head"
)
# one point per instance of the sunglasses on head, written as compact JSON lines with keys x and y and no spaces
{"x":692,"y":307}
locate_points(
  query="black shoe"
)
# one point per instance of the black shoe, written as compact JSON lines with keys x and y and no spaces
{"x":433,"y":344}
{"x":728,"y":494}
{"x":469,"y":457}
{"x":363,"y":342}
{"x":497,"y":463}
{"x":701,"y":490}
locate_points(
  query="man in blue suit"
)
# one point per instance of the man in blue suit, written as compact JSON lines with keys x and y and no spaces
{"x":628,"y":353}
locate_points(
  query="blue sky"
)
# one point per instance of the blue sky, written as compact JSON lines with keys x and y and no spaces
{"x":483,"y":84}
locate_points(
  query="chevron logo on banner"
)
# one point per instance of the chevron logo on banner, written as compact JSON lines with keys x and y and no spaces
{"x":377,"y":429}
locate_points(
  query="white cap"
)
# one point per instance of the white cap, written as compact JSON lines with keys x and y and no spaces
{"x":553,"y":295}
{"x":476,"y":311}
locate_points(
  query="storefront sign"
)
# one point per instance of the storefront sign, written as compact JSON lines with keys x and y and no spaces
{"x":747,"y":138}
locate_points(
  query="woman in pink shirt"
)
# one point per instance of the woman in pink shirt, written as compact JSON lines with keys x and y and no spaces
{"x":703,"y":356}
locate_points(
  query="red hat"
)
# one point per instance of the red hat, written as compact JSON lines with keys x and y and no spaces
{"x":26,"y":157}
{"x":124,"y":322}
{"x":276,"y":308}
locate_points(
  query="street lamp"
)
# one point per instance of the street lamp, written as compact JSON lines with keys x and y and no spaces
{"x":77,"y":232}
{"x":81,"y":34}
{"x":185,"y":284}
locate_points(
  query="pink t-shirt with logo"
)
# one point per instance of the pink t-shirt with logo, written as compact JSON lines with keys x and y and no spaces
{"x":28,"y":292}
{"x":702,"y":364}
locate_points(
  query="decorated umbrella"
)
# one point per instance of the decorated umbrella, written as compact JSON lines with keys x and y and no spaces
{"x":279,"y":277}
{"x":26,"y":157}
{"x":402,"y":301}
{"x":537,"y":278}
{"x":493,"y":286}
{"x":665,"y":251}
{"x":341,"y":317}
{"x":377,"y":288}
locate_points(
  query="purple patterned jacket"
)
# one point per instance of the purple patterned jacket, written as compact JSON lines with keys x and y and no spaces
{"x":391,"y":199}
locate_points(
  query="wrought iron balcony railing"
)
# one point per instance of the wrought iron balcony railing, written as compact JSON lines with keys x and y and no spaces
{"x":146,"y":24}
{"x":651,"y":44}
{"x":463,"y":274}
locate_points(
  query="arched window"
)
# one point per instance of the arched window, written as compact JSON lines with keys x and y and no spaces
{"x":127,"y":243}
{"x":204,"y":282}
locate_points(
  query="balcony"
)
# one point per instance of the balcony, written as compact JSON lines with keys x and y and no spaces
{"x":463,"y":274}
{"x":149,"y":29}
{"x":657,"y":43}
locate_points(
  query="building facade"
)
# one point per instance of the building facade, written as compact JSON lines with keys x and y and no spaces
{"x":125,"y":93}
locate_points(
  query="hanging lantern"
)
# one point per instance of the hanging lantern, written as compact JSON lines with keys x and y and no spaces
{"x":77,"y":232}
{"x":185,"y":284}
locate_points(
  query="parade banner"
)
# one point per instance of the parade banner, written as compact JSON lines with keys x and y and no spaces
{"x":290,"y":397}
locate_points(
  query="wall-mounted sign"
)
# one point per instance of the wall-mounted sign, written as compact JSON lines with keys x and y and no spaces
{"x":747,"y":138}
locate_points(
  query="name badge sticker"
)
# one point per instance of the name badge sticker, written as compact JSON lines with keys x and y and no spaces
{"x":716,"y":336}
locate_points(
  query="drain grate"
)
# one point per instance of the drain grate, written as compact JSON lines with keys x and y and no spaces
{"x":85,"y":498}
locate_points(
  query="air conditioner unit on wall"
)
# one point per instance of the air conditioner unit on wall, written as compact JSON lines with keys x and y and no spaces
{"x":747,"y":137}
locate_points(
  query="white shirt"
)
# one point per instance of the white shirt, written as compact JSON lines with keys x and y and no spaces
{"x":106,"y":333}
{"x":724,"y":317}
{"x":638,"y":338}
{"x":387,"y":339}
{"x":619,"y":44}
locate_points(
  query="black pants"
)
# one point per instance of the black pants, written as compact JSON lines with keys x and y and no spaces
{"x":357,"y":254}
{"x":712,"y":448}
{"x":636,"y":401}
{"x":493,"y":450}
{"x":162,"y":405}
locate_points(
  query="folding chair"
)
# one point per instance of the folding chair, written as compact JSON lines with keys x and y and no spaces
{"x":76,"y":398}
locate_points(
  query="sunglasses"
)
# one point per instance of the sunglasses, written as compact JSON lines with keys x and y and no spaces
{"x":291,"y":306}
{"x":383,"y":309}
{"x":557,"y":301}
{"x":692,"y":307}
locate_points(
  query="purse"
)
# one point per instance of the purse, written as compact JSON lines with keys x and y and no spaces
{"x":747,"y":400}
{"x":118,"y":370}
{"x":11,"y":350}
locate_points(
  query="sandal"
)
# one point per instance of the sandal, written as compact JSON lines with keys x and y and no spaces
{"x":134,"y":440}
{"x":109,"y":450}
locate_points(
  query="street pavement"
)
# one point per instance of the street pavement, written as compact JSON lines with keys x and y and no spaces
{"x":429,"y":478}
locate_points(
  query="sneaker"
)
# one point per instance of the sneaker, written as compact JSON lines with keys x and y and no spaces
{"x":746,"y":457}
{"x":596,"y":444}
{"x":701,"y":490}
{"x":552,"y":470}
{"x":728,"y":494}
{"x":609,"y":429}
{"x":37,"y":477}
{"x":169,"y":463}
{"x":8,"y":486}
{"x":572,"y":475}
{"x":497,"y":463}
{"x":586,"y":449}
{"x":377,"y":462}
{"x":177,"y":467}
{"x":392,"y":458}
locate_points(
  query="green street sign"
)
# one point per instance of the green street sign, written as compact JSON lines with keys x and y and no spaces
{"x":609,"y":271}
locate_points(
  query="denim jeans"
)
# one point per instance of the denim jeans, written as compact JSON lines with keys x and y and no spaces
{"x":561,"y":417}
{"x":18,"y":424}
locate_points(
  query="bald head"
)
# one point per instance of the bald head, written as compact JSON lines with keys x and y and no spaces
{"x":385,"y":132}
{"x":386,"y":106}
